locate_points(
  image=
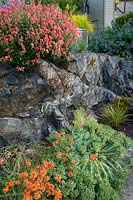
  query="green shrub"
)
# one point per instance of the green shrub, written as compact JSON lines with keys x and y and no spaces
{"x":114,"y":40}
{"x":66,"y":5}
{"x":120,"y":21}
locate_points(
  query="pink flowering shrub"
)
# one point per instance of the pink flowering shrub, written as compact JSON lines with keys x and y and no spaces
{"x":30,"y":32}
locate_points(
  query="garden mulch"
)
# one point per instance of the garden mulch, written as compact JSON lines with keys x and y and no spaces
{"x":127,"y":128}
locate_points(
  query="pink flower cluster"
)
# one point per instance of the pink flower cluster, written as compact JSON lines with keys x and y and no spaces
{"x":30,"y":32}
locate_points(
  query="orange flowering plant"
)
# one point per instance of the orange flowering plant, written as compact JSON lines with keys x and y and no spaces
{"x":81,"y":162}
{"x":25,"y":178}
{"x":36,"y":183}
{"x":32,"y":180}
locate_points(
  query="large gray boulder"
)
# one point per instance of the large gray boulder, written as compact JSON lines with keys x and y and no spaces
{"x":117,"y":76}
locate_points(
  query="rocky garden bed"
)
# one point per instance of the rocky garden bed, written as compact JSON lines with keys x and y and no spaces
{"x":51,"y":147}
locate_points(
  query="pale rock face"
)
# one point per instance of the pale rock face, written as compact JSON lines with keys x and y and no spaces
{"x":36,"y":103}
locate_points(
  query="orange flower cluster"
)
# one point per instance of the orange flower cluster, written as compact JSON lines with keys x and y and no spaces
{"x":28,"y":163}
{"x":59,"y":135}
{"x":63,"y":134}
{"x":67,"y":149}
{"x":70,"y":168}
{"x":92,"y":156}
{"x":70,"y":174}
{"x":65,"y":159}
{"x":1,"y":161}
{"x":36,"y":183}
{"x":23,"y":174}
{"x":71,"y":139}
{"x":7,"y":186}
{"x":58,"y":178}
{"x":47,"y":165}
{"x":55,"y":143}
{"x":59,"y":154}
{"x":73,"y":161}
{"x":63,"y":148}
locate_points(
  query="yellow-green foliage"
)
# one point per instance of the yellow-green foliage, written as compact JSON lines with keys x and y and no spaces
{"x":80,"y":118}
{"x":82,"y":21}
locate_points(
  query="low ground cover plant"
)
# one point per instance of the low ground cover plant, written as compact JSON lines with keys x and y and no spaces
{"x":30,"y":32}
{"x":85,"y":161}
{"x":114,"y":40}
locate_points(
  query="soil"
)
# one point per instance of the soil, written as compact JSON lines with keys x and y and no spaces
{"x":127,"y":128}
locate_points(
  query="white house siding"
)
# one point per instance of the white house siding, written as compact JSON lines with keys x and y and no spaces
{"x":102,"y":11}
{"x":108,"y":12}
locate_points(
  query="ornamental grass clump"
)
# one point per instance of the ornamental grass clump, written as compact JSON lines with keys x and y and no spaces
{"x":115,"y":113}
{"x":30,"y":32}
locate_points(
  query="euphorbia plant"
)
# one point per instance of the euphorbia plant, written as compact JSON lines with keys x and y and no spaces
{"x":30,"y":32}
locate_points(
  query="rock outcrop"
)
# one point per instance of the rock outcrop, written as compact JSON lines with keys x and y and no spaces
{"x":35,"y":103}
